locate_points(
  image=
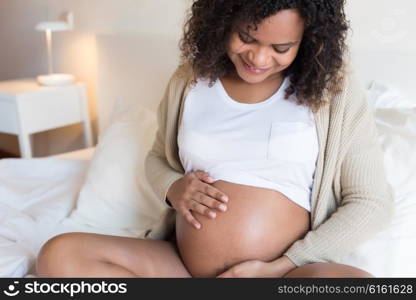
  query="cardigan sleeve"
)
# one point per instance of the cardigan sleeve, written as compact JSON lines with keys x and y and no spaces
{"x":367,"y":198}
{"x":159,"y":174}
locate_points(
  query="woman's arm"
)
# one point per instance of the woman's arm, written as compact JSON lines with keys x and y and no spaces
{"x":160,"y":175}
{"x":367,"y":198}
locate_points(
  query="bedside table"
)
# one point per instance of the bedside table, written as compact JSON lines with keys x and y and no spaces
{"x":27,"y":108}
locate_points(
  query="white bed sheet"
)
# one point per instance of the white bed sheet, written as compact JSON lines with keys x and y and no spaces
{"x":83,"y":154}
{"x":35,"y":195}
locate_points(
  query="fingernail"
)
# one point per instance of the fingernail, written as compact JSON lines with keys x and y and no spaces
{"x":198,"y":226}
{"x":223,"y":207}
{"x":224,"y":198}
{"x":212,"y":214}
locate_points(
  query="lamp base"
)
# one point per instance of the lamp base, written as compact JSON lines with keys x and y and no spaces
{"x":55,"y":79}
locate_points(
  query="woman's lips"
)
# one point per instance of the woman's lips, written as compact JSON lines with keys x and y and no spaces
{"x":254,"y":70}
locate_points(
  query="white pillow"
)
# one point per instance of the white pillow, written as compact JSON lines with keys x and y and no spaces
{"x":116,"y":197}
{"x":384,"y":95}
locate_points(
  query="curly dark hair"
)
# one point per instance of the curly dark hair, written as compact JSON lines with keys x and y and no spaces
{"x":318,"y":65}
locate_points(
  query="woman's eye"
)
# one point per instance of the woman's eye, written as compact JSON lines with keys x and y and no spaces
{"x":281,"y":51}
{"x":244,"y":38}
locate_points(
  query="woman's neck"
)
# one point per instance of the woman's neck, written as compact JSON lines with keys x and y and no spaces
{"x":244,"y":92}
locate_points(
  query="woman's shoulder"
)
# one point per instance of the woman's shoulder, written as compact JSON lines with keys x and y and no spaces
{"x":184,"y":71}
{"x":350,"y":109}
{"x":355,"y":91}
{"x":352,"y":94}
{"x":180,"y":77}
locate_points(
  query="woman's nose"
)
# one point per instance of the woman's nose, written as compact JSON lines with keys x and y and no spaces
{"x":260,"y":57}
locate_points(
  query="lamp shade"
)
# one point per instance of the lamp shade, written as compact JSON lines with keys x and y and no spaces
{"x":48,"y":27}
{"x":53,"y":26}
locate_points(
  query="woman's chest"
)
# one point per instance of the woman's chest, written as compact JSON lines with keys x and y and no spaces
{"x":218,"y":132}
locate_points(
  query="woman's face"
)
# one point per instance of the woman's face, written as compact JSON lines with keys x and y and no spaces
{"x":268,"y":50}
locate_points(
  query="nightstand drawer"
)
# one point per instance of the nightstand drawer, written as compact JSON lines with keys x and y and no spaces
{"x":27,"y":108}
{"x":8,"y":118}
{"x":51,"y":109}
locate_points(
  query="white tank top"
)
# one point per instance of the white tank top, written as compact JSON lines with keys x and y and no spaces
{"x":271,"y":144}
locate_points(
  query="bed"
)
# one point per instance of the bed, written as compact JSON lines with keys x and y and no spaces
{"x":32,"y":204}
{"x":71,"y":191}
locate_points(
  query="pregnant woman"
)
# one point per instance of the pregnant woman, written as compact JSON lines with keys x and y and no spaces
{"x":266,"y":155}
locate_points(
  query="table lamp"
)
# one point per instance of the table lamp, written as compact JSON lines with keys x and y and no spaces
{"x":55,"y":79}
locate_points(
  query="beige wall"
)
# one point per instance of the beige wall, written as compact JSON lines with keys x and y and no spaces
{"x":378,"y":26}
{"x":383,"y":42}
{"x":383,"y":24}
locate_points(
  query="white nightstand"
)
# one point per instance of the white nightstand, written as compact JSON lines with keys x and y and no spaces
{"x":27,"y":108}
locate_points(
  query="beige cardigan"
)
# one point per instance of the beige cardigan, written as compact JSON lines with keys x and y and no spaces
{"x":351,"y":199}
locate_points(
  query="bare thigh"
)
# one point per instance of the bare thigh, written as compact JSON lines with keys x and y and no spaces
{"x":327,"y":270}
{"x":80,"y":251}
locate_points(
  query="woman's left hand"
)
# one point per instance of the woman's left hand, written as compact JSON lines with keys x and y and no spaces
{"x":250,"y":269}
{"x":258,"y":268}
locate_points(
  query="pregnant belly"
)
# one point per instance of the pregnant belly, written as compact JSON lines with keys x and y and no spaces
{"x":259,"y":224}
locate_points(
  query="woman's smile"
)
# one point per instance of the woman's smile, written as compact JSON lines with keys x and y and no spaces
{"x":253,"y":70}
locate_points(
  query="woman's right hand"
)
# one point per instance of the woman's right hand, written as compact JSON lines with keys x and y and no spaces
{"x":193,"y":192}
